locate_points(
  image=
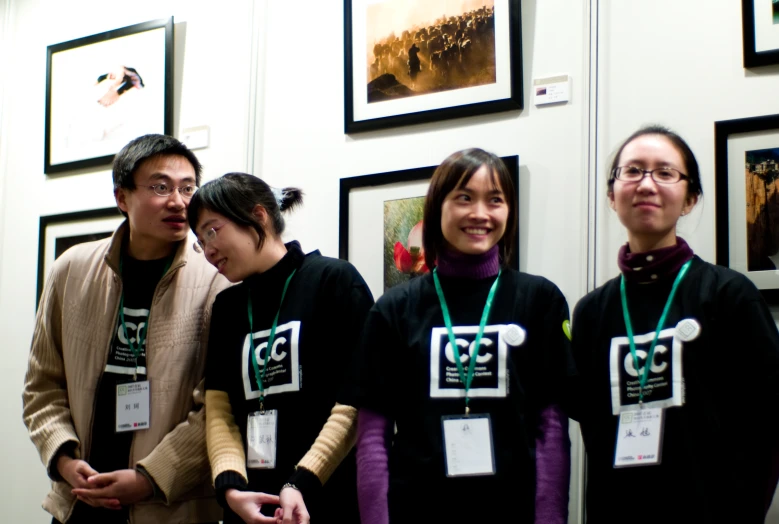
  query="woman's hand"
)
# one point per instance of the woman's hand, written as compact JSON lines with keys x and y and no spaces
{"x":293,"y":508}
{"x":247,"y":505}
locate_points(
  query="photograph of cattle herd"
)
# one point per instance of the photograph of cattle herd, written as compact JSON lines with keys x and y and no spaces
{"x":426,"y":49}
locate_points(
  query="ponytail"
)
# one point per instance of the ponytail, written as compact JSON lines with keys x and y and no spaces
{"x":288,"y":198}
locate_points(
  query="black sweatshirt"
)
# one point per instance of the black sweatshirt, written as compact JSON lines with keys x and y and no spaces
{"x":720,"y":420}
{"x":406,"y":375}
{"x":318,"y":329}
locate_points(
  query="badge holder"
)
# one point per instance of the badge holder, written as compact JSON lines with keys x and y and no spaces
{"x":261,"y":429}
{"x":639,"y":438}
{"x":468,"y":445}
{"x":132,"y":406}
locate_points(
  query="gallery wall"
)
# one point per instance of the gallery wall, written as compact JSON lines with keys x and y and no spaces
{"x":267,"y":79}
{"x":287,"y":128}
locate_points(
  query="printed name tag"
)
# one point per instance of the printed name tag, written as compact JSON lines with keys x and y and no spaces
{"x":468,"y":445}
{"x":132,"y":406}
{"x":639,"y":438}
{"x":261,"y":439}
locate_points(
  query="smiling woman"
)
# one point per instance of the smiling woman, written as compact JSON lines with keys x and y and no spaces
{"x":501,"y":359}
{"x":649,"y":346}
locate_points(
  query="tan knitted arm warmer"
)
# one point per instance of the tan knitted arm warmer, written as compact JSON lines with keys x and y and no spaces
{"x":333,"y":443}
{"x":225,"y":446}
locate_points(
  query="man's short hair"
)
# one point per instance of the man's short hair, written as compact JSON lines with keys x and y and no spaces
{"x":144,"y":147}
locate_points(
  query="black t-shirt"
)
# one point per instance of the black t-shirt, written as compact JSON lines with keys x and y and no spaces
{"x":318,"y":329}
{"x":408,"y":374}
{"x":110,"y":451}
{"x":719,"y":391}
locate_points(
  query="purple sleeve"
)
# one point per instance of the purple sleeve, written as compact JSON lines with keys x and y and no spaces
{"x":373,"y":434}
{"x":553,"y":467}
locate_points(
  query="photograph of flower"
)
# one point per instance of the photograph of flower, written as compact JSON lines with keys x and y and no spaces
{"x":404,"y":255}
{"x":380,"y":224}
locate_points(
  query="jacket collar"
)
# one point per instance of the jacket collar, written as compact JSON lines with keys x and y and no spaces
{"x":115,"y":249}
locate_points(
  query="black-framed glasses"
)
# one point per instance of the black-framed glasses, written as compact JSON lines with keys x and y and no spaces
{"x":165,"y":190}
{"x":661,"y":175}
{"x":201,"y":245}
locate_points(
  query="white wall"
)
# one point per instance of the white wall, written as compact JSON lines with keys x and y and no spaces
{"x":677,"y":64}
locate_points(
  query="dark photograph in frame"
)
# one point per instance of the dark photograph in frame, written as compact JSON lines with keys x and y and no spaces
{"x":760,"y":30}
{"x":104,"y":90}
{"x":380,"y":224}
{"x":58,"y":233}
{"x":415,"y":61}
{"x":747,"y":199}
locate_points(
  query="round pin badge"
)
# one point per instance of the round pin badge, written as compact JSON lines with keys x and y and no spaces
{"x":513,"y":335}
{"x":688,"y":329}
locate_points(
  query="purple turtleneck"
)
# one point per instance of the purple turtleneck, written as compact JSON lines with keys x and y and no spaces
{"x":374,"y":430}
{"x":651,"y":266}
{"x":452,"y":263}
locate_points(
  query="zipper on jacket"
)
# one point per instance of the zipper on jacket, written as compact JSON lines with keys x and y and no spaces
{"x":102,"y":371}
{"x":154,"y":300}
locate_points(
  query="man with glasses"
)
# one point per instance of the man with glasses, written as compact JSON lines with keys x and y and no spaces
{"x":113,"y":393}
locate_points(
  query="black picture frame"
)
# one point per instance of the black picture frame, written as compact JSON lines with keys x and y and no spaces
{"x":509,"y":98}
{"x":74,"y":228}
{"x":395,"y":179}
{"x":104,"y":90}
{"x":733,"y":235}
{"x":752,"y":57}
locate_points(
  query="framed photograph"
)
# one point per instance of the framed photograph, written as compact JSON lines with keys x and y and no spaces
{"x":104,"y":90}
{"x":414,"y":61}
{"x":380,"y":226}
{"x":59,"y":232}
{"x":747,"y":199}
{"x":760,"y":22}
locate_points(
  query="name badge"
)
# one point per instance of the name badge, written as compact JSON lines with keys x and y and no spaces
{"x":132,"y":406}
{"x":639,"y":438}
{"x":468,"y":449}
{"x":261,"y":439}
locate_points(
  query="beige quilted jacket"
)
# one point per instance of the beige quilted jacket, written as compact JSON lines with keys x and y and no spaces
{"x":73,"y":331}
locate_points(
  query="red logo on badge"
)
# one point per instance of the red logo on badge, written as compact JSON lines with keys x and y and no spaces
{"x":135,"y":425}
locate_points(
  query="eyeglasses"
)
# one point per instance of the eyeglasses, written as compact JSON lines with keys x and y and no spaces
{"x":208,"y":236}
{"x":165,"y":190}
{"x":661,"y":175}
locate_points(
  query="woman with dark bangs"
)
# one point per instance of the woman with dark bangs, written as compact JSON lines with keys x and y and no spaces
{"x":466,"y":363}
{"x":279,"y":345}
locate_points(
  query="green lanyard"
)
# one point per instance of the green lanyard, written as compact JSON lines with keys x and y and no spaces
{"x":260,"y":378}
{"x":643,"y":376}
{"x":138,"y":338}
{"x":466,"y":380}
